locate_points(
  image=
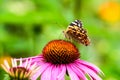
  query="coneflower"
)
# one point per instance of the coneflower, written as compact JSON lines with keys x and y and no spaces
{"x":60,"y":57}
{"x":20,"y":70}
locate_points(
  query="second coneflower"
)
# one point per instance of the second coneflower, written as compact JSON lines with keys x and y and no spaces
{"x":20,"y":70}
{"x":60,"y":57}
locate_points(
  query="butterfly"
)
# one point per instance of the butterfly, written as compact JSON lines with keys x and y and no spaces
{"x":76,"y":32}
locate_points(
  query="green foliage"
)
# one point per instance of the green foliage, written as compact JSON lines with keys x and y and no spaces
{"x":3,"y":75}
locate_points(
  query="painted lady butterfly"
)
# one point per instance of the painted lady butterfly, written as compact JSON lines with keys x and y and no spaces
{"x":76,"y":32}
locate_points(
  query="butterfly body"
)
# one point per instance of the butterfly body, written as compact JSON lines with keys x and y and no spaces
{"x":77,"y":33}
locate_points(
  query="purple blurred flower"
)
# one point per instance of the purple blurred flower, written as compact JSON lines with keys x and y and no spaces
{"x":60,"y":57}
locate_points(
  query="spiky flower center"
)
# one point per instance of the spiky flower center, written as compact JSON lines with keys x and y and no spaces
{"x":19,"y":73}
{"x":60,"y":52}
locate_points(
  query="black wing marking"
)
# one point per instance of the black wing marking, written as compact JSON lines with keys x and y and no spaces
{"x":76,"y":23}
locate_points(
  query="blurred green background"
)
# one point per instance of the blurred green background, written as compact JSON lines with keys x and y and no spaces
{"x":27,"y":25}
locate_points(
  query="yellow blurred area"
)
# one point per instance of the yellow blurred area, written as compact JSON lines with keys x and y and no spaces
{"x":110,"y":11}
{"x":8,"y":58}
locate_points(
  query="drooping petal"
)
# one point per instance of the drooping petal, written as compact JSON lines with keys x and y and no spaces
{"x":55,"y":72}
{"x":6,"y":64}
{"x":62,"y":71}
{"x":47,"y":73}
{"x":39,"y":72}
{"x":34,"y":57}
{"x":14,"y":62}
{"x":25,"y":64}
{"x":38,"y":59}
{"x":33,"y":71}
{"x":5,"y":68}
{"x":90,"y":65}
{"x":71,"y":73}
{"x":29,"y":64}
{"x":89,"y":71}
{"x":20,"y":62}
{"x":33,"y":66}
{"x":78,"y":71}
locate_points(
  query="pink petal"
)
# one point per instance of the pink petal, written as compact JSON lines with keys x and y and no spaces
{"x":55,"y":72}
{"x":38,"y":60}
{"x":90,"y":65}
{"x":78,"y":71}
{"x":39,"y":72}
{"x":72,"y":74}
{"x":89,"y":71}
{"x":62,"y":71}
{"x":34,"y":57}
{"x":46,"y":75}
